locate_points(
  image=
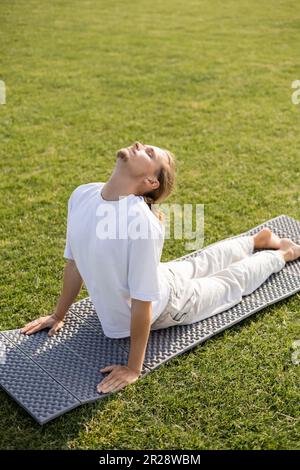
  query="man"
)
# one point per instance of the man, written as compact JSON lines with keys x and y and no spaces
{"x":120,"y":269}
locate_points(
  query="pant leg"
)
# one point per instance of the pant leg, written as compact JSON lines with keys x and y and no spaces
{"x":214,"y":258}
{"x":195,"y":299}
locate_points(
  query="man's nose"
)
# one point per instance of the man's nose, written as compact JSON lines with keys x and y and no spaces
{"x":138,"y":145}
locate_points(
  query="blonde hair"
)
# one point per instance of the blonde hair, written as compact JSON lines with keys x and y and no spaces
{"x":166,"y":178}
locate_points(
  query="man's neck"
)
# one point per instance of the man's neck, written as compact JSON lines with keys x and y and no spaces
{"x":113,"y":190}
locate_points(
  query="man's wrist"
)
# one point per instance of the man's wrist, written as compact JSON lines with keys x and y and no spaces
{"x":138,"y":370}
{"x":57,"y":317}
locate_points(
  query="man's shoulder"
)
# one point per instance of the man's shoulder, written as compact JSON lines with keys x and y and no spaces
{"x":85,"y":188}
{"x":142,"y":211}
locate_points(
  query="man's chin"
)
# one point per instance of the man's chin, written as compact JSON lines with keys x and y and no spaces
{"x":123,"y":154}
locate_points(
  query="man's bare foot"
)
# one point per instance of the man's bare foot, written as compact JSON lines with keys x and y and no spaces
{"x":266,"y":239}
{"x":290,"y":249}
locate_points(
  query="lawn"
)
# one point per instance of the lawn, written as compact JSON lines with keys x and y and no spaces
{"x":210,"y":81}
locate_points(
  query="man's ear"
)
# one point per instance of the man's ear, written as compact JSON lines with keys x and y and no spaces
{"x":153,"y":180}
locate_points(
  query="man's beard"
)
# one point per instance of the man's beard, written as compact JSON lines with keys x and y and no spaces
{"x":123,"y":154}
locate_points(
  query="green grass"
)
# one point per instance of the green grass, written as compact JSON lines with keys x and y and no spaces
{"x":211,"y":81}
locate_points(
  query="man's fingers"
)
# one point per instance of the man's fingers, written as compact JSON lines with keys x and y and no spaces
{"x":34,"y":329}
{"x":116,"y":380}
{"x":55,"y":328}
{"x":120,"y":386}
{"x":28,"y":326}
{"x":110,"y":381}
{"x":30,"y":329}
{"x":107,"y":380}
{"x":40,"y":324}
{"x":107,"y":368}
{"x":114,"y":386}
{"x":104,"y":381}
{"x":25,"y":328}
{"x":117,"y":385}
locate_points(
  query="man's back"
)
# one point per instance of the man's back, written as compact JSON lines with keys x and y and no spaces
{"x":116,"y":264}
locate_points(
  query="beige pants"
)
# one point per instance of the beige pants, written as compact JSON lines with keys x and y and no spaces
{"x":215,"y":280}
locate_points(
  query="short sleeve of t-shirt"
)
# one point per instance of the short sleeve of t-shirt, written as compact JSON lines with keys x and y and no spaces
{"x":71,"y":203}
{"x":68,"y":252}
{"x":143,"y":260}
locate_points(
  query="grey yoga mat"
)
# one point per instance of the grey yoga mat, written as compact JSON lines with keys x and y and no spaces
{"x":49,"y":376}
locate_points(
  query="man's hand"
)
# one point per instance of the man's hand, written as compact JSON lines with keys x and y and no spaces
{"x":71,"y":286}
{"x":49,"y":321}
{"x":117,"y":379}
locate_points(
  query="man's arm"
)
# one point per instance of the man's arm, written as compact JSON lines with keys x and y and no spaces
{"x":141,"y":314}
{"x":72,"y":283}
{"x":120,"y":376}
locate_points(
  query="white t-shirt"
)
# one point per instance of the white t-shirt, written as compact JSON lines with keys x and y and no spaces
{"x":116,"y":265}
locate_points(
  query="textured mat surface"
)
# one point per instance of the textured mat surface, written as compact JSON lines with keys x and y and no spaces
{"x":50,"y":376}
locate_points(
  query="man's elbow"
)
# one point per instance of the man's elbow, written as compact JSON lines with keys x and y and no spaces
{"x":71,"y":264}
{"x":141,"y":303}
{"x":141,"y":307}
